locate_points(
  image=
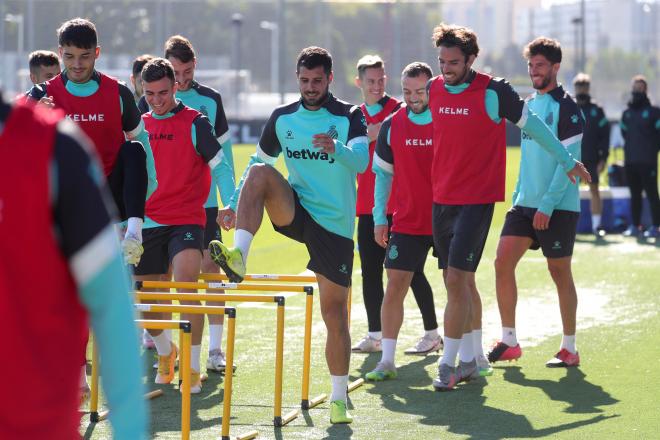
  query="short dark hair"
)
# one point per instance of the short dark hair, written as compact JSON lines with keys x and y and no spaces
{"x":40,"y":58}
{"x":640,"y":79}
{"x":312,"y":57}
{"x":78,"y":32}
{"x":179,"y":47}
{"x":582,"y":79}
{"x":451,"y":35}
{"x":417,"y":68}
{"x":139,"y":62}
{"x":369,"y":62}
{"x":157,"y":69}
{"x":548,"y":47}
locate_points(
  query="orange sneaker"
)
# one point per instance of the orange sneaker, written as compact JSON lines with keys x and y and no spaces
{"x":166,"y":366}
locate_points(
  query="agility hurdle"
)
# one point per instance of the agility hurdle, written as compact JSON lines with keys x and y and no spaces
{"x":184,"y":373}
{"x":306,"y":403}
{"x":206,"y":277}
{"x":279,"y":300}
{"x":231,"y":335}
{"x":287,"y":278}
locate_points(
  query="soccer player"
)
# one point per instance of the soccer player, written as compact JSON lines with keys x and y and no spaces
{"x":403,"y":154}
{"x":44,"y":65}
{"x":180,"y":52}
{"x":324,"y":141}
{"x":83,"y":275}
{"x":468,"y":110}
{"x":546,"y":207}
{"x":595,"y":144}
{"x":136,"y":70}
{"x":186,"y":153}
{"x":105,"y":110}
{"x":640,"y":127}
{"x":377,"y":106}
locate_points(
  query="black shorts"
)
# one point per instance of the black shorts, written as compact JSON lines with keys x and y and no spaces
{"x":161,"y":244}
{"x":592,"y":167}
{"x":407,"y":252}
{"x":460,"y":233}
{"x":556,"y":242}
{"x":211,"y":230}
{"x":330,"y":255}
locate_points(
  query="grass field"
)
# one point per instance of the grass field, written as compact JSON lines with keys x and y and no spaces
{"x":613,"y":395}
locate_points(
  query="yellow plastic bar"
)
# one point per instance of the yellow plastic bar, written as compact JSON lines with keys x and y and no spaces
{"x":163,"y":296}
{"x":307,"y":347}
{"x":185,"y":393}
{"x":261,"y":277}
{"x":177,"y":308}
{"x":157,"y":324}
{"x":94,"y":397}
{"x":279,"y":364}
{"x":229,"y":376}
{"x":221,"y":286}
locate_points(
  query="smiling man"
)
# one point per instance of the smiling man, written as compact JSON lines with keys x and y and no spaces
{"x":180,"y":52}
{"x":468,"y":110}
{"x":185,"y":148}
{"x":105,"y":110}
{"x":545,"y":208}
{"x":325,"y":145}
{"x":371,"y":80}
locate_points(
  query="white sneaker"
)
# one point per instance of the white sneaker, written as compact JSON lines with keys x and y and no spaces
{"x":216,"y":361}
{"x":425,"y":345}
{"x":132,"y":249}
{"x":367,"y":345}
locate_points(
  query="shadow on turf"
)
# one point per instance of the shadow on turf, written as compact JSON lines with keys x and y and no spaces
{"x":582,"y":396}
{"x":464,"y":411}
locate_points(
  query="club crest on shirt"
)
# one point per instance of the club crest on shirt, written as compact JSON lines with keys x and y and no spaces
{"x":549,"y":119}
{"x":575,"y":119}
{"x":289,"y":135}
{"x":332,"y":132}
{"x":203,"y":110}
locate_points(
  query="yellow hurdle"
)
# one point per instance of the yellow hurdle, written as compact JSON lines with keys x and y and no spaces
{"x":263,"y":277}
{"x":278,"y":420}
{"x":184,"y":374}
{"x":231,"y":335}
{"x":305,"y":403}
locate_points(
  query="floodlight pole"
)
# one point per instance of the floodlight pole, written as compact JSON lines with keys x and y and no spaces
{"x":237,"y":21}
{"x":274,"y":54}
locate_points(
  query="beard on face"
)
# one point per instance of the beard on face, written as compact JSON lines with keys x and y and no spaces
{"x":317,"y":100}
{"x":544,"y":83}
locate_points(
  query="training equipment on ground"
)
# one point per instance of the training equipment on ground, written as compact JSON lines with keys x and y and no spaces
{"x":299,"y":279}
{"x":278,"y":419}
{"x":184,"y":373}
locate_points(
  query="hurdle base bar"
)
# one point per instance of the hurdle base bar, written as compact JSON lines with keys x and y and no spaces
{"x":309,"y":404}
{"x":355,"y":384}
{"x":288,"y":417}
{"x":247,"y":436}
{"x":99,"y":416}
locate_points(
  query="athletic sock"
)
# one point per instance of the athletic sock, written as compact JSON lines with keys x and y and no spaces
{"x":389,"y":348}
{"x":466,"y":349}
{"x":134,"y":228}
{"x":595,"y":221}
{"x":243,"y":240}
{"x":215,"y":337}
{"x":450,"y":351}
{"x":339,"y":387}
{"x":162,"y":343}
{"x":509,"y":336}
{"x":433,"y":334}
{"x":83,"y":376}
{"x":477,"y":343}
{"x":376,"y":335}
{"x":195,"y":352}
{"x":568,"y":342}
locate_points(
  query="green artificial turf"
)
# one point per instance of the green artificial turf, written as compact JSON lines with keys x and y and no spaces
{"x":613,"y":395}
